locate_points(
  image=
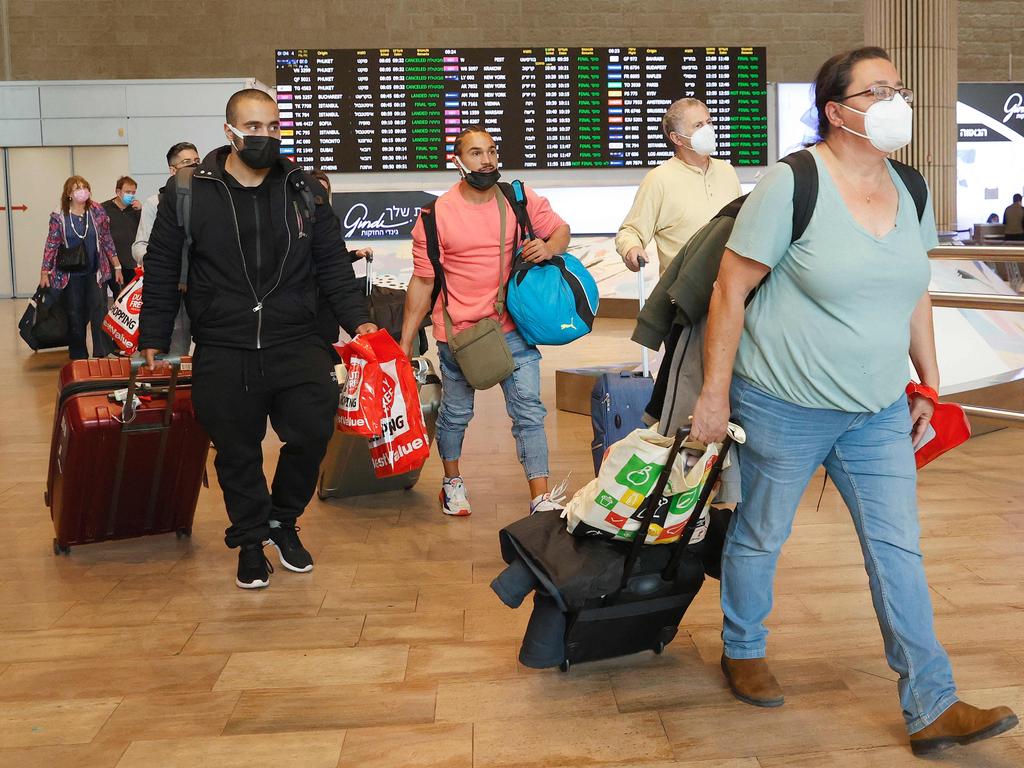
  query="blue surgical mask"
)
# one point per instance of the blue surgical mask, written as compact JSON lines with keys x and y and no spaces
{"x":128,"y":198}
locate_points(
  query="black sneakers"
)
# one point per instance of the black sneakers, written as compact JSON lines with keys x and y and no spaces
{"x":253,"y":567}
{"x":293,"y":555}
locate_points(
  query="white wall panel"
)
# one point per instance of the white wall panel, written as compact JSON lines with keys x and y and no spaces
{"x":20,"y":133}
{"x":177,"y":99}
{"x":82,"y":131}
{"x":78,"y":100}
{"x":19,"y":102}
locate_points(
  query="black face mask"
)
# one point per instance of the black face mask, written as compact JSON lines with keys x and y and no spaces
{"x":259,"y":152}
{"x":480,"y":180}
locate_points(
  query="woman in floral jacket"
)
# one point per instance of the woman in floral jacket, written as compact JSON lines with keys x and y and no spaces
{"x":81,"y":221}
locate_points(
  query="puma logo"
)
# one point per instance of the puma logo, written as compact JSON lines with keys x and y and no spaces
{"x":570,"y":324}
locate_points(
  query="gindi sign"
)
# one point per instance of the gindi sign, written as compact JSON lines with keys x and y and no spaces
{"x":378,"y":215}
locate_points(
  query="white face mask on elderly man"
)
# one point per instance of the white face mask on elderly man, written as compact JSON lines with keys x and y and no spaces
{"x":889,"y":125}
{"x":703,"y":141}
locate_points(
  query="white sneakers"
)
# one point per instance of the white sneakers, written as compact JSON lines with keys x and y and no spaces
{"x":552,"y":500}
{"x":455,"y":502}
{"x":453,"y":497}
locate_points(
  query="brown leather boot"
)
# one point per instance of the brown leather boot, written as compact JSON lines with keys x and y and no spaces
{"x":752,"y":682}
{"x":962,"y":724}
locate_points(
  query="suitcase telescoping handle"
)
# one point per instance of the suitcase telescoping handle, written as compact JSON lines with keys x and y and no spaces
{"x":127,"y":428}
{"x":650,"y":505}
{"x":174,"y":361}
{"x":641,"y":292}
{"x":703,"y":500}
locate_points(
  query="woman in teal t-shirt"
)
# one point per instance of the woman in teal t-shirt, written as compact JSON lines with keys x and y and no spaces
{"x":815,"y":371}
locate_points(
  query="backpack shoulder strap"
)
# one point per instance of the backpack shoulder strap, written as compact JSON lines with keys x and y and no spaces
{"x":183,"y":212}
{"x":915,"y":184}
{"x":519,"y":191}
{"x":433,"y":251}
{"x":301,"y":184}
{"x":805,"y":189}
{"x":515,"y":193}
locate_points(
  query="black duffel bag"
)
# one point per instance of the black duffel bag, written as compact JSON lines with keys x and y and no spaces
{"x":44,"y":325}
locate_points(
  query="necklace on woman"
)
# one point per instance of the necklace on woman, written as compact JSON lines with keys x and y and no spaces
{"x":867,"y":195}
{"x":79,"y":235}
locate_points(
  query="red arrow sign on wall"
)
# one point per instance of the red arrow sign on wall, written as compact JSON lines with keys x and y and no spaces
{"x":15,"y":208}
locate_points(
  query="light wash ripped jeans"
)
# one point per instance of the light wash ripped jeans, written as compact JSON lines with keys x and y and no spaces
{"x":522,"y":401}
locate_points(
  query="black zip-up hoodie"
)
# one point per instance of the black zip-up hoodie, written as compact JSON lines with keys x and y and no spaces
{"x":251,"y":282}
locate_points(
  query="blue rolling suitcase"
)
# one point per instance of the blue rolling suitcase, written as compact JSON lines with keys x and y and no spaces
{"x":618,"y":400}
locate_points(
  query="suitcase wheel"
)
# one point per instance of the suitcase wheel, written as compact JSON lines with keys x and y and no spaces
{"x":59,"y":550}
{"x":659,"y":647}
{"x":410,"y":487}
{"x":183,"y":533}
{"x":564,"y":666}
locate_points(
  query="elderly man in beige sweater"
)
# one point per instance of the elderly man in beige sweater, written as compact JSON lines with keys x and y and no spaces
{"x":683,"y":193}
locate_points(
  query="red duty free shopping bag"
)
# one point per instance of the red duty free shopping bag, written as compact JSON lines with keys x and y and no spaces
{"x":402,"y":445}
{"x":122,"y":320}
{"x":359,"y":409}
{"x":381,"y":401}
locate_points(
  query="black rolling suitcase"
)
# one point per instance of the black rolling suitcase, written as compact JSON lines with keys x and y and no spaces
{"x":645,"y":611}
{"x":595,"y":598}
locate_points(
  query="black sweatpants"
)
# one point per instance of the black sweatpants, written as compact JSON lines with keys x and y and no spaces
{"x":233,"y":392}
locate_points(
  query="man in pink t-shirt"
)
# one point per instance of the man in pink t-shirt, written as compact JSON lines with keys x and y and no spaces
{"x":468,"y":225}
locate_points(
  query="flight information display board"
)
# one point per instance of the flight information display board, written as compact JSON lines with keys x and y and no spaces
{"x":399,"y":109}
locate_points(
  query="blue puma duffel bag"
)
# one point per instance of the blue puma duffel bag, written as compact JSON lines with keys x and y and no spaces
{"x":553,"y":302}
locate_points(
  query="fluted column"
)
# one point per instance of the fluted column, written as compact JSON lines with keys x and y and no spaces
{"x":921,"y":37}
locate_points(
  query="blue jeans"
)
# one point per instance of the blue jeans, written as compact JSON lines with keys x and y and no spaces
{"x":522,"y":401}
{"x":870,"y":459}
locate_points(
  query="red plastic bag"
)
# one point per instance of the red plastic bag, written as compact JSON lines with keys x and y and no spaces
{"x":402,"y":444}
{"x":359,"y":407}
{"x":122,"y":321}
{"x":949,"y":428}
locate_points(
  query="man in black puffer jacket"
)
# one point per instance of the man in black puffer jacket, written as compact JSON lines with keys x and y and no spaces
{"x":260,"y":247}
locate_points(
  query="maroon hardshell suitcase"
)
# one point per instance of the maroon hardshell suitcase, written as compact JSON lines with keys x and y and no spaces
{"x":118,"y":472}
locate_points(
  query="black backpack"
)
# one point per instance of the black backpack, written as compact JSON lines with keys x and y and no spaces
{"x":703,"y":251}
{"x":805,"y":189}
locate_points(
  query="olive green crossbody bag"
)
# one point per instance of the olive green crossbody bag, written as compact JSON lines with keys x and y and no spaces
{"x":481,"y":351}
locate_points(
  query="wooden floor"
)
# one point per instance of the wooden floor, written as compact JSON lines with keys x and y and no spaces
{"x":394,"y":652}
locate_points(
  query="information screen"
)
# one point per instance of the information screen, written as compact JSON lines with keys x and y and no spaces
{"x":399,"y":109}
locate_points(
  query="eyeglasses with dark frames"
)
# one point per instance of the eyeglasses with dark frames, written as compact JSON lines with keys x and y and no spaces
{"x":883,"y":93}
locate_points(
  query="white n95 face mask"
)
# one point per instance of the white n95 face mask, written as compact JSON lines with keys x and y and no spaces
{"x":889,"y":124}
{"x":703,"y":140}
